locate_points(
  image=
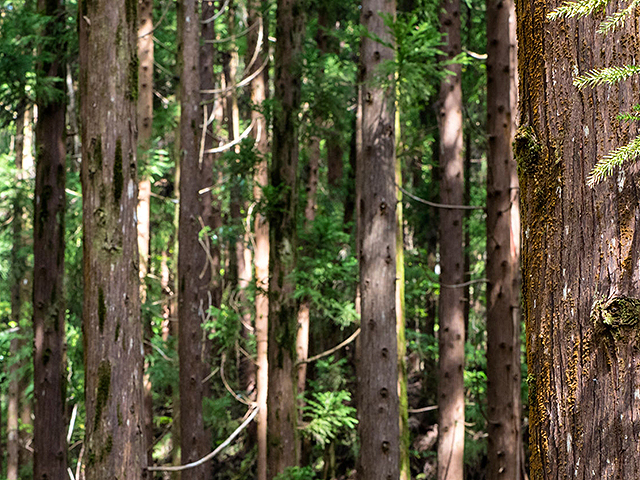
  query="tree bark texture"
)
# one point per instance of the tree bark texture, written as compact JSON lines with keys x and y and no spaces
{"x":580,"y":248}
{"x":111,"y":325}
{"x":50,"y":446}
{"x":451,"y":307}
{"x":282,"y":433}
{"x":194,"y":266}
{"x":257,"y":39}
{"x":503,"y":261}
{"x":377,"y":365}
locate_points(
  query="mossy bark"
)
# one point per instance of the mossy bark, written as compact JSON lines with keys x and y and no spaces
{"x":579,"y":245}
{"x":377,"y":351}
{"x":282,"y":434}
{"x":111,"y":316}
{"x":50,"y":448}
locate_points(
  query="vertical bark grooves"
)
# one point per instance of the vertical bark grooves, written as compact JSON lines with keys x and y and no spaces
{"x":503,"y":262}
{"x":50,"y":448}
{"x":111,"y":325}
{"x":194,"y":272}
{"x":580,"y":246}
{"x":282,"y":432}
{"x":451,"y":307}
{"x":256,"y":11}
{"x":377,"y":366}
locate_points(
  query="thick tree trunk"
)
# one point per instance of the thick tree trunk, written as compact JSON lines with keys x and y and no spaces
{"x":50,"y":448}
{"x":451,"y":308}
{"x":194,"y":266}
{"x":580,"y":248}
{"x":503,"y":262}
{"x":282,"y":432}
{"x":111,"y":325}
{"x":258,"y":40}
{"x":377,"y":365}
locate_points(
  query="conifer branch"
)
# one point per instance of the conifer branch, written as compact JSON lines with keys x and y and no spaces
{"x":580,"y":8}
{"x":616,"y":158}
{"x":608,"y":75}
{"x":616,"y":19}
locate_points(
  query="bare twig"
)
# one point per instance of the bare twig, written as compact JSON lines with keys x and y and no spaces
{"x":215,"y":452}
{"x":233,"y":143}
{"x":439,"y":205}
{"x":217,"y":14}
{"x":226,"y":384}
{"x":465,"y":284}
{"x":423,"y":409}
{"x":330,"y":351}
{"x":242,"y":83}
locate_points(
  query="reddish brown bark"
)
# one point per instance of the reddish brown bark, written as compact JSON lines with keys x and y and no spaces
{"x":377,"y":364}
{"x":111,"y":325}
{"x":451,"y":307}
{"x":503,"y":262}
{"x":258,"y":40}
{"x":282,"y":432}
{"x":580,"y":247}
{"x":50,"y":448}
{"x":194,"y":268}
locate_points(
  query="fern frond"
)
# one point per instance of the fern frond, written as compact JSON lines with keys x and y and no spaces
{"x":617,"y":19}
{"x":616,"y":158}
{"x":609,"y":75}
{"x":580,"y":8}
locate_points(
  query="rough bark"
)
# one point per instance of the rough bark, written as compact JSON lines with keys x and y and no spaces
{"x":111,"y":314}
{"x":258,"y":39}
{"x":282,"y":433}
{"x":377,"y":364}
{"x":451,"y":307}
{"x":194,"y":270}
{"x":503,"y":262}
{"x":50,"y":447}
{"x":580,"y":248}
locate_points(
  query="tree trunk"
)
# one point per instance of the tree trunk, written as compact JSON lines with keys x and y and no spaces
{"x":18,"y":270}
{"x":451,"y":308}
{"x":580,"y":248}
{"x":194,"y":268}
{"x":49,"y":377}
{"x":145,"y":129}
{"x":282,"y":433}
{"x":377,"y":365}
{"x":503,"y":262}
{"x":258,"y":40}
{"x":111,"y":325}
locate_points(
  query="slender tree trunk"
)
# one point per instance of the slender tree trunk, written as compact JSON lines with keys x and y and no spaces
{"x":503,"y":323}
{"x":18,"y":270}
{"x":194,"y":268}
{"x":145,"y":128}
{"x":451,"y":308}
{"x":50,"y":448}
{"x":405,"y":441}
{"x":282,"y":432}
{"x":377,"y":365}
{"x":111,"y":325}
{"x":257,"y":40}
{"x":580,"y":247}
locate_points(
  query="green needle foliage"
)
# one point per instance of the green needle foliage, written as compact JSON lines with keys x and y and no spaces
{"x":329,"y":414}
{"x":608,"y":75}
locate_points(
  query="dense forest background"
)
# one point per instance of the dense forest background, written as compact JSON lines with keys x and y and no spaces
{"x":235,"y":44}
